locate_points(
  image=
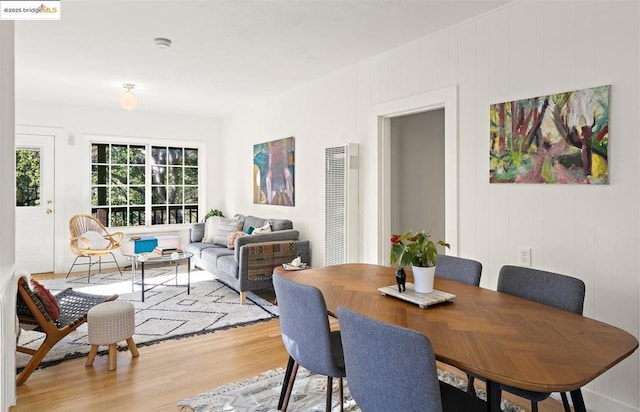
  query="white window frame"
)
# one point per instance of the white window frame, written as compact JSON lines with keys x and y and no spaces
{"x":90,"y":139}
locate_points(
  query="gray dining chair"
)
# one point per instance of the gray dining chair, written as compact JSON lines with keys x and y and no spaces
{"x":306,"y":334}
{"x":390,"y":368}
{"x":459,"y":269}
{"x":552,"y":289}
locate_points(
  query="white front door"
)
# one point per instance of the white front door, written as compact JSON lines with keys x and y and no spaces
{"x":34,"y":203}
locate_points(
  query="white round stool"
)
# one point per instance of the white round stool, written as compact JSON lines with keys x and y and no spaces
{"x":110,"y":323}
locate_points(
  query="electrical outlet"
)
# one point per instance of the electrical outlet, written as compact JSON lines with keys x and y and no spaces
{"x":524,"y":256}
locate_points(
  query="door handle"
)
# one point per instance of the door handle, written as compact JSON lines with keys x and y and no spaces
{"x":49,"y":211}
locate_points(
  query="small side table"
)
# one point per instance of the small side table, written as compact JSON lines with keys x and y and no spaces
{"x":143,"y":260}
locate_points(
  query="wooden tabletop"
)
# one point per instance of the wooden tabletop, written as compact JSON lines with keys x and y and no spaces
{"x":503,"y":338}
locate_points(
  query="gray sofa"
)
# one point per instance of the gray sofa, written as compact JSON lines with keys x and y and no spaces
{"x":249,"y":265}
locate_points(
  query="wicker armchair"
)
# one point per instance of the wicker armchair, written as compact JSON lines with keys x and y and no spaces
{"x":90,"y":239}
{"x":73,"y":313}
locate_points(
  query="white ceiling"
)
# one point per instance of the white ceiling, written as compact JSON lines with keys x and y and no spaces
{"x":225,"y":54}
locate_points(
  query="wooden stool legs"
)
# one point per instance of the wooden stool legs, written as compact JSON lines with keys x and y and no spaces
{"x":113,"y":353}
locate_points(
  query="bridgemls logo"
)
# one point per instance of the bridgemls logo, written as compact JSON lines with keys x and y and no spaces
{"x":29,"y":10}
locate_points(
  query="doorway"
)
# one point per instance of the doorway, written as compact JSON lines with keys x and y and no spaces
{"x":417,"y":173}
{"x":381,"y":116}
{"x":34,"y":203}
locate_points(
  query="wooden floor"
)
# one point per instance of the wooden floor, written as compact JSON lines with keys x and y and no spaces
{"x":165,"y":373}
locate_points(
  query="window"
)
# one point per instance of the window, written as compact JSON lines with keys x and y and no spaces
{"x":136,"y":185}
{"x":27,"y":177}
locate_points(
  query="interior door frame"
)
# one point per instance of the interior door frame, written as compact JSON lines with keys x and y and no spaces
{"x":447,"y":99}
{"x":60,"y":234}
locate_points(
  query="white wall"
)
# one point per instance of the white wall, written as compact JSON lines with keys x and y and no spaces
{"x":526,"y":49}
{"x":73,"y":125}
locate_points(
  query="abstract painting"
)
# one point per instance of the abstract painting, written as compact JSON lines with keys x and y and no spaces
{"x":273,"y":172}
{"x":559,"y":138}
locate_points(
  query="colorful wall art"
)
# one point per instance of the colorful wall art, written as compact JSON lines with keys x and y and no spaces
{"x":273,"y":172}
{"x":559,"y":138}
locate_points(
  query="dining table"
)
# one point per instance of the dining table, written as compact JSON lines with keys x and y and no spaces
{"x":502,"y":338}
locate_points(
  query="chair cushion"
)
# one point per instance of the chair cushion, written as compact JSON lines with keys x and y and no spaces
{"x":46,"y":297}
{"x":96,"y":240}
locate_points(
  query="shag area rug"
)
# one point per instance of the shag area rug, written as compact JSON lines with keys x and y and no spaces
{"x":261,"y":394}
{"x":167,"y":312}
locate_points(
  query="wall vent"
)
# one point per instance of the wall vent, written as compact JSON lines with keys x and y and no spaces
{"x":341,"y":204}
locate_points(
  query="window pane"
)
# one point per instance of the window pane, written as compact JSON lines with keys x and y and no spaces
{"x":175,"y":156}
{"x":136,"y":216}
{"x":119,"y":195}
{"x":190,"y":195}
{"x":136,"y":175}
{"x":159,"y":215}
{"x":137,"y":155}
{"x":159,"y":155}
{"x":175,"y":195}
{"x":118,"y":216}
{"x":136,"y":195}
{"x":190,"y":175}
{"x":159,"y":195}
{"x":27,"y":177}
{"x":191,"y":214}
{"x":99,"y":196}
{"x":101,"y":214}
{"x":99,"y":174}
{"x":175,"y":176}
{"x":118,"y":175}
{"x":119,"y":154}
{"x":191,"y":157}
{"x":175,"y":214}
{"x":100,"y":153}
{"x":159,"y":175}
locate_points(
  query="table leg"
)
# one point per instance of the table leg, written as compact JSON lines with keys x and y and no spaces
{"x":493,"y":396}
{"x":176,"y":263}
{"x":578,"y":401}
{"x":133,"y":275}
{"x":188,"y":276}
{"x":142,"y":268}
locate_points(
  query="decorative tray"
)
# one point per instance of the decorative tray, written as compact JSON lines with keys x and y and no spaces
{"x":423,"y":300}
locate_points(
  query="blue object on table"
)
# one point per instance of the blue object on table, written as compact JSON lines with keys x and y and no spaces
{"x":145,"y":244}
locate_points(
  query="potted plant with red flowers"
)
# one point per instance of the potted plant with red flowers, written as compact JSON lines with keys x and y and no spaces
{"x":419,"y":251}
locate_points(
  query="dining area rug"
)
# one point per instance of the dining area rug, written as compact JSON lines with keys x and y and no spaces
{"x":168,"y":312}
{"x":261,"y":394}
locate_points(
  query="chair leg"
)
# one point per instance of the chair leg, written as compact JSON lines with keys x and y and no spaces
{"x":534,"y":406}
{"x":471,"y":390}
{"x":38,"y":355}
{"x":341,"y":395}
{"x":116,"y":262}
{"x":71,"y":268}
{"x":89,"y":273}
{"x":290,"y":386}
{"x":285,"y":382}
{"x":329,"y":393}
{"x":565,"y":402}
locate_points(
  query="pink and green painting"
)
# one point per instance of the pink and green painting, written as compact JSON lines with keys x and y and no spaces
{"x":560,"y":138}
{"x":273,"y":172}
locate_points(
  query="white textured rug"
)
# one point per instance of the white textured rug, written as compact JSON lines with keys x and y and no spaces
{"x":167,"y":312}
{"x":261,"y":394}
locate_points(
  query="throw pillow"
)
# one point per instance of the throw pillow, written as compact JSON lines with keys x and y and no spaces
{"x":231,"y":239}
{"x":46,"y":297}
{"x":210,"y":228}
{"x":250,"y":230}
{"x":96,"y":240}
{"x":225,"y":227}
{"x":264,"y":229}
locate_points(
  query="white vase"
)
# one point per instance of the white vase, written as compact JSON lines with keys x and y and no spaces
{"x":423,"y":278}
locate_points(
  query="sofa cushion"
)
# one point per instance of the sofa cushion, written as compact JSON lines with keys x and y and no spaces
{"x":280,"y":224}
{"x":226,"y":226}
{"x":228,"y":265}
{"x":212,"y":254}
{"x":211,"y":228}
{"x":197,"y":248}
{"x":231,"y":238}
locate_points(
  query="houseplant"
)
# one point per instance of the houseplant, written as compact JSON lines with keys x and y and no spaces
{"x":419,"y":251}
{"x":212,"y":212}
